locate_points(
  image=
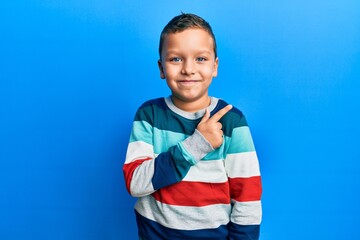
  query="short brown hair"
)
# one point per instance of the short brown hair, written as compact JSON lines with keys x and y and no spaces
{"x":185,"y":21}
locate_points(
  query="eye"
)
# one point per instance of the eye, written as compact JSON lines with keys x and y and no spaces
{"x":200,"y":59}
{"x":175,"y":59}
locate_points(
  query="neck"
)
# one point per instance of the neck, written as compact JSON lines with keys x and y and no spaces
{"x":192,"y":106}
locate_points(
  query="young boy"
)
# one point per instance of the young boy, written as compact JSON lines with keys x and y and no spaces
{"x":191,"y":160}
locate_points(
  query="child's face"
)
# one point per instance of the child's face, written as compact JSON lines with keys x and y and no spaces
{"x":188,"y":64}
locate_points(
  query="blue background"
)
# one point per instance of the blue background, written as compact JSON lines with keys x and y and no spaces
{"x":72,"y":74}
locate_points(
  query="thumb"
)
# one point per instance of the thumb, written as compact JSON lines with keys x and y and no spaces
{"x":206,"y":116}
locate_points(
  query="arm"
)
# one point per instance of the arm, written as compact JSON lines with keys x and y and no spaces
{"x":242,"y":167}
{"x":144,"y":171}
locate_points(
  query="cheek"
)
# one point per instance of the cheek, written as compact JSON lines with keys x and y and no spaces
{"x":170,"y":71}
{"x":209,"y":72}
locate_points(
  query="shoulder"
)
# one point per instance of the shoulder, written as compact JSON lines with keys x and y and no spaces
{"x":156,"y":102}
{"x":150,"y":108}
{"x":235,"y":111}
{"x":234,"y":118}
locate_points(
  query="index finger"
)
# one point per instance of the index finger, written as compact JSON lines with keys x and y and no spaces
{"x":216,"y":117}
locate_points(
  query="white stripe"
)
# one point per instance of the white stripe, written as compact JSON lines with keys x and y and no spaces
{"x":141,"y":182}
{"x":184,"y":218}
{"x":137,"y":150}
{"x":243,"y":164}
{"x":207,"y":171}
{"x":246,"y":213}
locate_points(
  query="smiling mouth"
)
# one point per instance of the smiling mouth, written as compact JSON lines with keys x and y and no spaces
{"x":188,"y":81}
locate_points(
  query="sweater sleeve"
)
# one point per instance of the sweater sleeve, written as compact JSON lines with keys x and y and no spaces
{"x":145,"y":172}
{"x":241,"y":164}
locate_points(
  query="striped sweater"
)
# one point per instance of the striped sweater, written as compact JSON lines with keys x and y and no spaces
{"x":185,"y":188}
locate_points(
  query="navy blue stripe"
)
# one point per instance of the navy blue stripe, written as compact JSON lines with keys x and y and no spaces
{"x":233,"y":119}
{"x":158,"y":115}
{"x":160,"y":102}
{"x":161,"y":117}
{"x":244,"y":232}
{"x":170,"y":168}
{"x":151,"y":230}
{"x":164,"y":172}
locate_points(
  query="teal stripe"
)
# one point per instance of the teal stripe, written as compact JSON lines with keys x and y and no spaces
{"x":142,"y":131}
{"x":161,"y":140}
{"x":186,"y":154}
{"x":217,"y":154}
{"x":164,"y":139}
{"x":163,"y":118}
{"x":241,"y":141}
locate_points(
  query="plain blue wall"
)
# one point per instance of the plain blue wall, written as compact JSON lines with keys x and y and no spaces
{"x":72,"y":74}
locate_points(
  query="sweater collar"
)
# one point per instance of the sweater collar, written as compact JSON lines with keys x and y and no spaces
{"x":191,"y":115}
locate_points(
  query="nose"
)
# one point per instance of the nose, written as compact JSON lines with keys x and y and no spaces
{"x":188,"y":68}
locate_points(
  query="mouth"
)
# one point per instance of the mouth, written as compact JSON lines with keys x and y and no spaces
{"x":188,"y":81}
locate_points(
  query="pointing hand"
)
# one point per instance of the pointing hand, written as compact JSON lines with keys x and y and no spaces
{"x":210,"y":127}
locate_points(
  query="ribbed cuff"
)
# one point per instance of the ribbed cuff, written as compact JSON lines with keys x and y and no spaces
{"x":197,"y":145}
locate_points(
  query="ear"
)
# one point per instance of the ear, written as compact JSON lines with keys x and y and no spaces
{"x":161,"y":68}
{"x":216,"y":65}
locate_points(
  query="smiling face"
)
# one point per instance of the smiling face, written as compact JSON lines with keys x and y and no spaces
{"x":188,"y":64}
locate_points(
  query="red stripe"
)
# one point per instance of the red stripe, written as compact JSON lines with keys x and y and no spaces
{"x":194,"y":194}
{"x":246,"y":189}
{"x":129,"y":169}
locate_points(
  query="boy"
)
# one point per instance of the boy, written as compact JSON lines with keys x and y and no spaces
{"x":191,"y":160}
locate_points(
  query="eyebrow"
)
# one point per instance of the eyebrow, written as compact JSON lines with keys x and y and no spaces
{"x":197,"y":53}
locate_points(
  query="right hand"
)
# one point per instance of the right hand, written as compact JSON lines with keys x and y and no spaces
{"x":210,"y":128}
